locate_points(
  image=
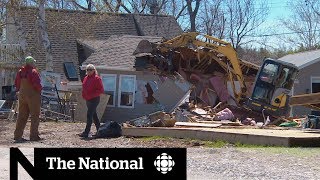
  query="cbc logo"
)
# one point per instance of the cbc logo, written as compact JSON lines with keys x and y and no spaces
{"x":164,"y":163}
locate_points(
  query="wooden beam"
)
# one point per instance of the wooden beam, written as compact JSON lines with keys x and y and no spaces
{"x":190,"y":124}
{"x":305,"y":99}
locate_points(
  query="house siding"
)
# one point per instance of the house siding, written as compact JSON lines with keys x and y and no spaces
{"x":304,"y":83}
{"x":120,"y":115}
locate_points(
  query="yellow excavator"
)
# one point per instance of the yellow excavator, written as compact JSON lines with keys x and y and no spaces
{"x":273,"y":82}
{"x":272,"y":87}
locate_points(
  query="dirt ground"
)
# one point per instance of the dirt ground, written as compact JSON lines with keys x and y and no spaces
{"x":203,"y":162}
{"x":64,"y":134}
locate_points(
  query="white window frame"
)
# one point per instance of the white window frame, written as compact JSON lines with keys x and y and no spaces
{"x":115,"y":88}
{"x":119,"y":91}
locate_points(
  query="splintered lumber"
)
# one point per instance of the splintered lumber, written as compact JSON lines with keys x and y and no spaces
{"x":222,"y":122}
{"x":209,"y":122}
{"x":309,"y":100}
{"x":190,"y":124}
{"x":215,"y":107}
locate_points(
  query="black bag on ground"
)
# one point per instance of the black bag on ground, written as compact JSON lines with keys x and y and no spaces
{"x":110,"y":129}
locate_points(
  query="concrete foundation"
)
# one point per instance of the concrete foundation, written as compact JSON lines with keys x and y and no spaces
{"x":266,"y":137}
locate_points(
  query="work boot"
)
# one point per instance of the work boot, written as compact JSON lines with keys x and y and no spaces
{"x":36,"y":138}
{"x":83,"y":135}
{"x":19,"y":140}
{"x":95,"y":135}
{"x":97,"y":127}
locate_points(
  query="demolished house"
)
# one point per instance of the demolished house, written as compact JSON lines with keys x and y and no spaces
{"x":144,"y":84}
{"x":207,"y":69}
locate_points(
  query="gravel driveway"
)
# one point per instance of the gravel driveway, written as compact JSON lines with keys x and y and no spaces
{"x":253,"y":163}
{"x":228,"y":162}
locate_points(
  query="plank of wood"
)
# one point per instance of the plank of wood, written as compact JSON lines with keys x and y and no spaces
{"x":80,"y":113}
{"x":305,"y":99}
{"x":209,"y":122}
{"x":189,"y":124}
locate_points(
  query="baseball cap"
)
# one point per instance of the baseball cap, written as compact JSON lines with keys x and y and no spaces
{"x":30,"y":59}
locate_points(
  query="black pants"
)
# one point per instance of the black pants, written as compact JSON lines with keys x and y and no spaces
{"x":92,"y":105}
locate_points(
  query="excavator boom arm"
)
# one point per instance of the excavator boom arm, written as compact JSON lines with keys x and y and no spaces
{"x":190,"y":40}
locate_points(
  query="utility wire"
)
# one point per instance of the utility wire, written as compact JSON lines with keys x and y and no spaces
{"x":277,"y":34}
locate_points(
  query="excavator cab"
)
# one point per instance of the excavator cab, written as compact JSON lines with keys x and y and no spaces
{"x":272,"y":88}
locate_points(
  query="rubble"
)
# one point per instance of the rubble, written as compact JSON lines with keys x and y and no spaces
{"x":206,"y":85}
{"x":225,"y":114}
{"x":198,"y":80}
{"x":157,"y":119}
{"x":221,"y":116}
{"x":192,"y":116}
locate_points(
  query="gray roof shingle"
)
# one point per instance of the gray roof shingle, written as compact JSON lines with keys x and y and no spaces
{"x":161,"y":26}
{"x":65,"y":27}
{"x":302,"y":59}
{"x":93,"y":44}
{"x":117,"y":52}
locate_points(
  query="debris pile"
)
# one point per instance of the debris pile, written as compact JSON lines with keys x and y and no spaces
{"x":197,"y":84}
{"x":157,"y":119}
{"x":188,"y":115}
{"x":201,"y":83}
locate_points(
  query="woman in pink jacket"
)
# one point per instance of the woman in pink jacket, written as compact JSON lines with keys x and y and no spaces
{"x":92,"y":87}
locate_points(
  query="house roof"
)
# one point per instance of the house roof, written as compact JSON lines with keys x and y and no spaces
{"x":66,"y":26}
{"x":117,"y":52}
{"x":302,"y":59}
{"x":93,"y":44}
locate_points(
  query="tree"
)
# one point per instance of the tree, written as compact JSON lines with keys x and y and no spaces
{"x":155,"y":6}
{"x":130,"y":6}
{"x":114,"y":6}
{"x":42,"y":28}
{"x":3,"y":5}
{"x":304,"y":23}
{"x":136,"y":6}
{"x":314,"y":4}
{"x":211,"y":19}
{"x":193,"y":13}
{"x":11,"y":10}
{"x":176,"y":8}
{"x":88,"y":6}
{"x":57,"y":4}
{"x":243,"y":19}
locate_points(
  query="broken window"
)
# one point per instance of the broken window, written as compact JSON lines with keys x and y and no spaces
{"x":281,"y":81}
{"x":109,"y":85}
{"x":126,"y":91}
{"x":149,"y":99}
{"x":269,"y":72}
{"x":262,"y":93}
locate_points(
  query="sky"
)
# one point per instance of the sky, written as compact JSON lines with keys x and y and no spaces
{"x":277,"y":9}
